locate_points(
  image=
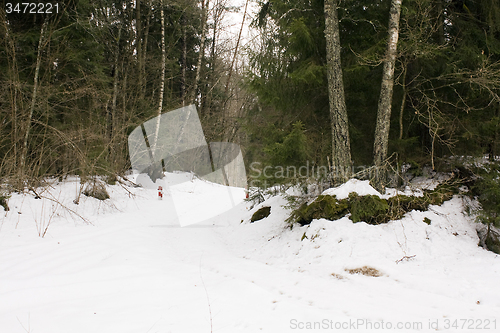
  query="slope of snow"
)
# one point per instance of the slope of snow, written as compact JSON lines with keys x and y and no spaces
{"x":125,"y":265}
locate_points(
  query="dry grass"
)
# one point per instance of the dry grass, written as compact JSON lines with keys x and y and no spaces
{"x":365,"y":270}
{"x":338,"y":276}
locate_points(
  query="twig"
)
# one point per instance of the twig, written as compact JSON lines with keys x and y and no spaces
{"x":405,"y":258}
{"x":68,"y":209}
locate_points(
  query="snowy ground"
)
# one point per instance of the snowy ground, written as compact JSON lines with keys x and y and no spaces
{"x":130,"y":267}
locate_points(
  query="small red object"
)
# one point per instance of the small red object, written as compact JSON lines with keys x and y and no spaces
{"x":246,"y":191}
{"x":160,"y":192}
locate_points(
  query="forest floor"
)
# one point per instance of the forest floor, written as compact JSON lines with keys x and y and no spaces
{"x":126,"y":265}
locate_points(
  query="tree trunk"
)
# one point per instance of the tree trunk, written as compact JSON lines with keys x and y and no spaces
{"x":384,"y":105}
{"x":204,"y":7}
{"x":162,"y":84}
{"x":112,"y":113}
{"x":144,"y":52}
{"x":14,"y":85}
{"x":33,"y":97}
{"x":341,"y":151}
{"x":138,"y":25}
{"x":236,"y":48}
{"x":184,"y":61}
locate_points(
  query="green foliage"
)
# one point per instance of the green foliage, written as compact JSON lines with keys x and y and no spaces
{"x":284,"y":154}
{"x":487,"y":191}
{"x":261,"y":213}
{"x":293,"y":149}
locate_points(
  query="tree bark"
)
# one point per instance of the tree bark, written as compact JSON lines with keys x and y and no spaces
{"x":341,"y":151}
{"x":381,"y":143}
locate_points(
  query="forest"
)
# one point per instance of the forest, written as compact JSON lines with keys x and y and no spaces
{"x":341,"y":85}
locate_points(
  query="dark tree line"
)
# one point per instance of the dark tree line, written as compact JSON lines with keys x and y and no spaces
{"x":445,"y":97}
{"x":73,"y":84}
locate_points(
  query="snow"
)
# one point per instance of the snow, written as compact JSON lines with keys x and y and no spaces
{"x":126,"y":265}
{"x":362,"y":187}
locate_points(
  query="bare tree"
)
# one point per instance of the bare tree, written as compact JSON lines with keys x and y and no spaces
{"x":381,"y":143}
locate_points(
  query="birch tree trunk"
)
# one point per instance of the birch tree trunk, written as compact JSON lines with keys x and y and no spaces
{"x":162,"y":84}
{"x":385,"y":100}
{"x":204,"y":6}
{"x":341,"y":149}
{"x":33,"y":97}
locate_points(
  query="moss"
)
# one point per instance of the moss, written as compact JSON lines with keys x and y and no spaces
{"x":261,"y":213}
{"x":368,"y":208}
{"x":325,"y":206}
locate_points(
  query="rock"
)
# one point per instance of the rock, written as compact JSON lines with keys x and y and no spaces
{"x":261,"y":213}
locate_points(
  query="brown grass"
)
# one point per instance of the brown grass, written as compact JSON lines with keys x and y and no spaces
{"x":365,"y":270}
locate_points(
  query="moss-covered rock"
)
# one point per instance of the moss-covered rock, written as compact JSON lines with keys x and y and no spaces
{"x":368,"y":208}
{"x":96,"y":190}
{"x":261,"y":213}
{"x":325,"y":206}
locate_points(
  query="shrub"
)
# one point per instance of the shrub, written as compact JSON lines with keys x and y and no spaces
{"x":487,"y":192}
